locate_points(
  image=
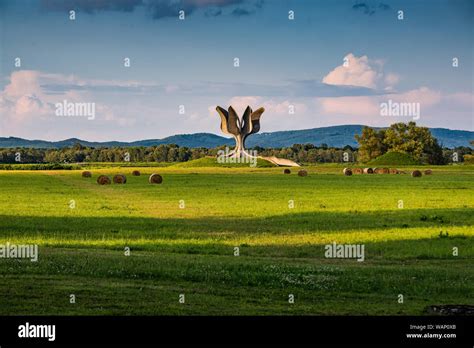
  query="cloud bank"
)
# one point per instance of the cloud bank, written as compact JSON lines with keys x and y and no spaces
{"x":127,"y":109}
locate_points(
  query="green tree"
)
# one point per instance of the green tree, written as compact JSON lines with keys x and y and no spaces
{"x":415,"y":141}
{"x":371,"y":144}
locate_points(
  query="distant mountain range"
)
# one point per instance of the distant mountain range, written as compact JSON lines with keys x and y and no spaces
{"x":336,"y":136}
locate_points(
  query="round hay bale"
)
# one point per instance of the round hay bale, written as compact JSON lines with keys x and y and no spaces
{"x":120,"y":179}
{"x":381,"y":170}
{"x":136,"y":173}
{"x":347,"y":171}
{"x":86,"y":174}
{"x":394,"y":171}
{"x":428,"y":172}
{"x":103,"y":180}
{"x":375,"y":170}
{"x":416,"y":174}
{"x":286,"y":171}
{"x":368,"y":171}
{"x":357,"y":170}
{"x":155,"y":179}
{"x":302,"y":172}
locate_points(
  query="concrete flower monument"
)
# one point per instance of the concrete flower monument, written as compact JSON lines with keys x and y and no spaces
{"x":241,"y":128}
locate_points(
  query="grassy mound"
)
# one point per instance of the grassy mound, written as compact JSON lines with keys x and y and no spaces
{"x":212,"y":162}
{"x":394,"y":158}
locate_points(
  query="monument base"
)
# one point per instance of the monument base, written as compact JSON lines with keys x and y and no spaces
{"x":281,"y":162}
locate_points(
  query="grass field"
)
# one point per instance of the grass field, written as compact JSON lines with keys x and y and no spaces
{"x":182,"y":236}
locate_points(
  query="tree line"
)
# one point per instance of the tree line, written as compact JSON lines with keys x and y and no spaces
{"x":406,"y":138}
{"x":305,"y":153}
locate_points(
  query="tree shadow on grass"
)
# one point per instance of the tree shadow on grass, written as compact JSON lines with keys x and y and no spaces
{"x":321,"y":221}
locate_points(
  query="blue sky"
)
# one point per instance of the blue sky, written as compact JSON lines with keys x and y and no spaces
{"x":284,"y":64}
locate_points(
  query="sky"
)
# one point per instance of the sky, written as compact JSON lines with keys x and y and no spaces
{"x":333,"y":63}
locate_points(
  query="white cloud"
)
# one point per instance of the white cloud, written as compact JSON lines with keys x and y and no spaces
{"x":241,"y":103}
{"x":349,"y":106}
{"x":26,"y":104}
{"x":366,"y":109}
{"x":23,"y":98}
{"x":365,"y":72}
{"x":272,"y":106}
{"x":361,"y":72}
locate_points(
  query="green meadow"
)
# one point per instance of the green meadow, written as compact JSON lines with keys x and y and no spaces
{"x":183,"y":236}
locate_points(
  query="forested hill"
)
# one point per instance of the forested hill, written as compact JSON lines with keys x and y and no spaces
{"x":335,"y":136}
